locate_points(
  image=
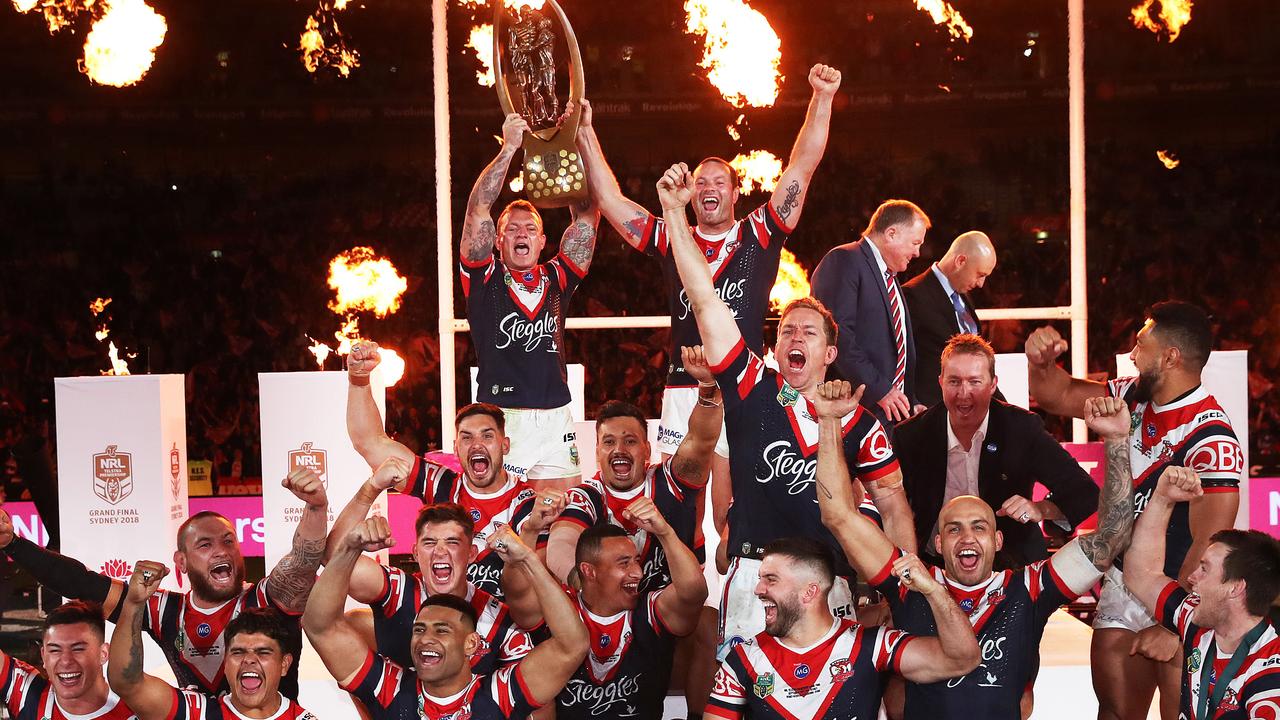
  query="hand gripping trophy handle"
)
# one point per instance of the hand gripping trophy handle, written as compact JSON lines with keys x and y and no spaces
{"x":524,"y":67}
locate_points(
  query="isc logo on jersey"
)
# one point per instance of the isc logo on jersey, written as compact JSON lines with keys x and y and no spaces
{"x":113,"y":474}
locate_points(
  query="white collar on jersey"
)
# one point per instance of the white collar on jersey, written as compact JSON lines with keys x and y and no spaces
{"x":835,"y":627}
{"x":230,"y":705}
{"x":110,"y":704}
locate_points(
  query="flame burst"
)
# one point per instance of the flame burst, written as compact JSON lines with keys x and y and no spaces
{"x":121,"y":45}
{"x":58,"y":14}
{"x":1170,"y":160}
{"x":740,"y":50}
{"x":481,"y":41}
{"x":943,"y":14}
{"x":758,"y":169}
{"x":364,"y":281}
{"x":323,"y":44}
{"x":1173,"y":15}
{"x":517,"y":183}
{"x":392,"y":366}
{"x":119,"y":365}
{"x":792,"y":282}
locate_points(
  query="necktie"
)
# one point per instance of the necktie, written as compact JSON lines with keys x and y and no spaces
{"x":899,"y":331}
{"x":968,"y":323}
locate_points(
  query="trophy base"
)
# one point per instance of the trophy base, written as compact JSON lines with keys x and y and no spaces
{"x":553,"y":171}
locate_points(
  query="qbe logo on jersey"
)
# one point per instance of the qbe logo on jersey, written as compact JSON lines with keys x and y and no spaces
{"x":113,"y":475}
{"x":307,"y":457}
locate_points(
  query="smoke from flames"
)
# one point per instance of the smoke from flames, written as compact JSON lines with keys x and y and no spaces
{"x":323,"y":44}
{"x":364,"y":281}
{"x":481,"y":41}
{"x":792,"y":282}
{"x":740,"y":50}
{"x":1173,"y":15}
{"x":121,"y":45}
{"x":758,"y":169}
{"x":943,"y":14}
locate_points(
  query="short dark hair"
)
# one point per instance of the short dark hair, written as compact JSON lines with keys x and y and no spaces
{"x":1252,"y":556}
{"x":621,"y":408}
{"x":592,"y":540}
{"x":805,"y":551}
{"x":480,"y":408}
{"x":453,"y":602}
{"x":263,"y":621}
{"x":186,"y":524}
{"x":733,"y":172}
{"x":75,"y":612}
{"x":895,"y":212}
{"x":970,"y":344}
{"x":436,"y":513}
{"x":814,"y":304}
{"x":1186,"y":327}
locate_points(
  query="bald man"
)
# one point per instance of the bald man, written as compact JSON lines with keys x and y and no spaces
{"x":938,"y":302}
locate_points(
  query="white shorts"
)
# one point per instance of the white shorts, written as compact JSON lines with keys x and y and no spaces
{"x":677,"y":405}
{"x":1119,"y":608}
{"x":742,"y":613}
{"x":542,"y":443}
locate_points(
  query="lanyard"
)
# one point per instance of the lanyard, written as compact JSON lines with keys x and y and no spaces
{"x":1207,"y":705}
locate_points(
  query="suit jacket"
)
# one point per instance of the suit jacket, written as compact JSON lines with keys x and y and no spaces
{"x":933,"y":320}
{"x":849,"y":282}
{"x":1016,"y":453}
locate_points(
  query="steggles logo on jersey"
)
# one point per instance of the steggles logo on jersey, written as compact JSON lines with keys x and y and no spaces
{"x":729,"y":292}
{"x":113,"y":475}
{"x":516,"y":330}
{"x":316,"y":460}
{"x":604,"y":700}
{"x":784,"y":463}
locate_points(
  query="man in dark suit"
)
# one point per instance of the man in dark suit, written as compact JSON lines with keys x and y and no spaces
{"x":938,"y":305}
{"x":857,"y":282}
{"x":973,"y":445}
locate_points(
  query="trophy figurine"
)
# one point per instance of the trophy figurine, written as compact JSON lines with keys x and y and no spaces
{"x":525,"y":40}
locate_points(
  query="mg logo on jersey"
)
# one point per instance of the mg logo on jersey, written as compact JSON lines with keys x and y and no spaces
{"x":113,"y":475}
{"x":315,"y":460}
{"x":175,"y":467}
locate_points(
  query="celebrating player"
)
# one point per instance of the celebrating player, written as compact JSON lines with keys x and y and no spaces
{"x":440,"y":683}
{"x":516,"y":307}
{"x":188,"y":626}
{"x":73,"y":651}
{"x":1176,"y":423}
{"x":259,"y":655}
{"x":770,"y":419}
{"x":1227,"y":623}
{"x":1008,"y":609}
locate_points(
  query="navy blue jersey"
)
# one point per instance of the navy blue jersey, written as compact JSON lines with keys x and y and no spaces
{"x":391,"y":692}
{"x":194,"y":705}
{"x":594,"y":503}
{"x":434,"y":483}
{"x":1008,"y":613}
{"x":1192,"y":431}
{"x":517,"y":328}
{"x":1254,"y":693}
{"x":744,"y":265}
{"x":773,"y":457}
{"x":628,"y":667}
{"x":26,"y":695}
{"x":402,"y":597}
{"x":838,"y":677}
{"x":191,"y":637}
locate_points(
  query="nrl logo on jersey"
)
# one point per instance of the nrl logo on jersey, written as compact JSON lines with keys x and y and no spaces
{"x":315,"y":460}
{"x":763,"y":686}
{"x":113,"y":475}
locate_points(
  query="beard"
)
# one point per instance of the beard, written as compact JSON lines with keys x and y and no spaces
{"x":788,"y":616}
{"x":1145,"y":388}
{"x":201,"y":584}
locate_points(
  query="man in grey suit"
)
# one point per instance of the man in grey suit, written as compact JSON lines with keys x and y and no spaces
{"x":939,"y":307}
{"x":857,"y":282}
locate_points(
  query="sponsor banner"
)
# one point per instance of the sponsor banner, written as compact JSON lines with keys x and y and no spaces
{"x":304,"y":425}
{"x":1264,"y":505}
{"x":122,"y":468}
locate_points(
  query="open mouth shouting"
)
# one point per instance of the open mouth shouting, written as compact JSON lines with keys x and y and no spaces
{"x":479,"y":462}
{"x":710,"y":203}
{"x":967,"y":559}
{"x":441,"y":572}
{"x":796,"y":360}
{"x":621,"y":465}
{"x":222,"y":572}
{"x":521,"y":249}
{"x":250,"y":681}
{"x":770,"y":611}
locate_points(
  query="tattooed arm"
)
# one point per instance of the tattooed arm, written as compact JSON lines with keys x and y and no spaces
{"x":628,"y":218}
{"x":578,"y":244}
{"x":290,"y":581}
{"x":149,"y":697}
{"x":1109,"y":417}
{"x":478,"y":231}
{"x":811,"y":143}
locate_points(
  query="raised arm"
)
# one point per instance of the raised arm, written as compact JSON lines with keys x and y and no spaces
{"x":716,"y":324}
{"x":867,"y":548}
{"x":364,"y":422}
{"x":517,"y":586}
{"x":64,"y":575}
{"x":954,"y":652}
{"x":1144,"y":562}
{"x":367,"y":581}
{"x":291,"y":579}
{"x":1207,"y":514}
{"x":1050,"y":385}
{"x":793,"y":187}
{"x":149,"y":697}
{"x":627,"y":217}
{"x":578,"y":243}
{"x":1109,"y":418}
{"x":550,"y":665}
{"x":339,"y":644}
{"x":692,"y":461}
{"x":478,"y":231}
{"x":681,"y":603}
